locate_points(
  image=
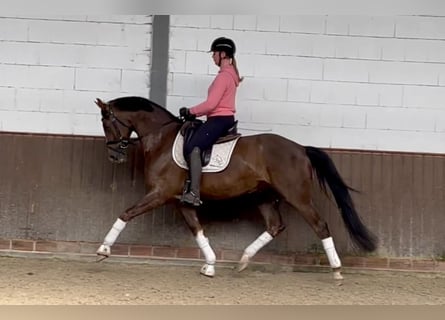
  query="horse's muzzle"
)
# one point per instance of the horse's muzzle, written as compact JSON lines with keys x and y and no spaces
{"x":117,"y":157}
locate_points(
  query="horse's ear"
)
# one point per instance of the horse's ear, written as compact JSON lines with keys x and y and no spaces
{"x":101,"y":104}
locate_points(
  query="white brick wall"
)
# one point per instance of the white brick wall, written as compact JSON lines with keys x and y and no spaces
{"x":356,"y":82}
{"x":53,"y":67}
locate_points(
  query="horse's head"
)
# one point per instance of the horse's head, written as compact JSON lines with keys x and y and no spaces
{"x":117,"y":132}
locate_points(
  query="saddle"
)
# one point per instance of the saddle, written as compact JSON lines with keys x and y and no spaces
{"x":190,"y":127}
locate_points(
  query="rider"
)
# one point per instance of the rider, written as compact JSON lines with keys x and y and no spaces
{"x":219,"y":108}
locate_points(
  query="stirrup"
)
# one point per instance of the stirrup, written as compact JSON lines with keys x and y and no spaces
{"x":191,"y":198}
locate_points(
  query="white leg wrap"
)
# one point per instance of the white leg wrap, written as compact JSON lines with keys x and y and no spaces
{"x":260,"y":242}
{"x":329,"y":248}
{"x":114,"y":232}
{"x":205,"y":247}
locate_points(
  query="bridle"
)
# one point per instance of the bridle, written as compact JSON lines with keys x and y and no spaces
{"x":122,"y":143}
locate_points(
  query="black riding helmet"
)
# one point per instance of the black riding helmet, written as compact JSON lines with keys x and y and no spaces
{"x":225,"y":45}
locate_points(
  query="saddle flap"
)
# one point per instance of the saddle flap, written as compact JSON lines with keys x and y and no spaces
{"x":219,"y":157}
{"x":188,"y":129}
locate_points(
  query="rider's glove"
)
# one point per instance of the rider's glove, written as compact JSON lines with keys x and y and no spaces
{"x":185,"y":113}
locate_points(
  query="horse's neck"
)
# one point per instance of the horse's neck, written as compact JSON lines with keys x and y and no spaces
{"x":163,"y":136}
{"x":147,"y":123}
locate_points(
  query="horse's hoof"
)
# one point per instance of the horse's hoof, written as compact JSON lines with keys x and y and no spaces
{"x":337,"y":275}
{"x":101,"y":257}
{"x":243,"y":263}
{"x":208,"y":270}
{"x":103,"y":252}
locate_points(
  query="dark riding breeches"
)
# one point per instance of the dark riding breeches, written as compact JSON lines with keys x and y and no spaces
{"x":207,"y":134}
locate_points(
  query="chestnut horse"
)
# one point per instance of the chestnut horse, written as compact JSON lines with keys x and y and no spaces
{"x":280,"y":168}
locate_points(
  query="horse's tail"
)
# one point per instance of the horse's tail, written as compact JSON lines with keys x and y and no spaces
{"x":327,"y":173}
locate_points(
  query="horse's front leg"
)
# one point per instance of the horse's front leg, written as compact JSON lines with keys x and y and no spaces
{"x":189,"y":213}
{"x":150,"y":201}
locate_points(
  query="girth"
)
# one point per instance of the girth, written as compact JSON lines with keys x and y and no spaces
{"x":190,"y":127}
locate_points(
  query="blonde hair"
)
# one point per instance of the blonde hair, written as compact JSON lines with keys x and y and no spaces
{"x":236,"y":69}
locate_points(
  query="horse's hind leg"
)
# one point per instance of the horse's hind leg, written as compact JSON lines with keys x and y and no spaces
{"x":274,"y":226}
{"x":320,"y":227}
{"x":190,"y":216}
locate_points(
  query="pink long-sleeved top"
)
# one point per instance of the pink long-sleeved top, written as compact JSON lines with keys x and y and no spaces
{"x":221,"y":95}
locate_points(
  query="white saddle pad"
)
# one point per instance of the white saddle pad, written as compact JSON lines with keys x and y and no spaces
{"x":219,"y":159}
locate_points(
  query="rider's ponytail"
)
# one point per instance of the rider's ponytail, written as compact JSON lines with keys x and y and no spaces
{"x":236,"y":69}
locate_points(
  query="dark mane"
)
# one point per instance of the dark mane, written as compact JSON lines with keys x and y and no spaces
{"x":134,"y":104}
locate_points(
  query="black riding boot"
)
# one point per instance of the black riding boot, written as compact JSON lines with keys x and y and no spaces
{"x":195,"y":167}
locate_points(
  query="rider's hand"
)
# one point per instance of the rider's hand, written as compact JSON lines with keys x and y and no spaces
{"x":185,"y":113}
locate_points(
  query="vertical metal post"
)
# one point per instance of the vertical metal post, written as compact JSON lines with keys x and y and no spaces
{"x":159,"y":59}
